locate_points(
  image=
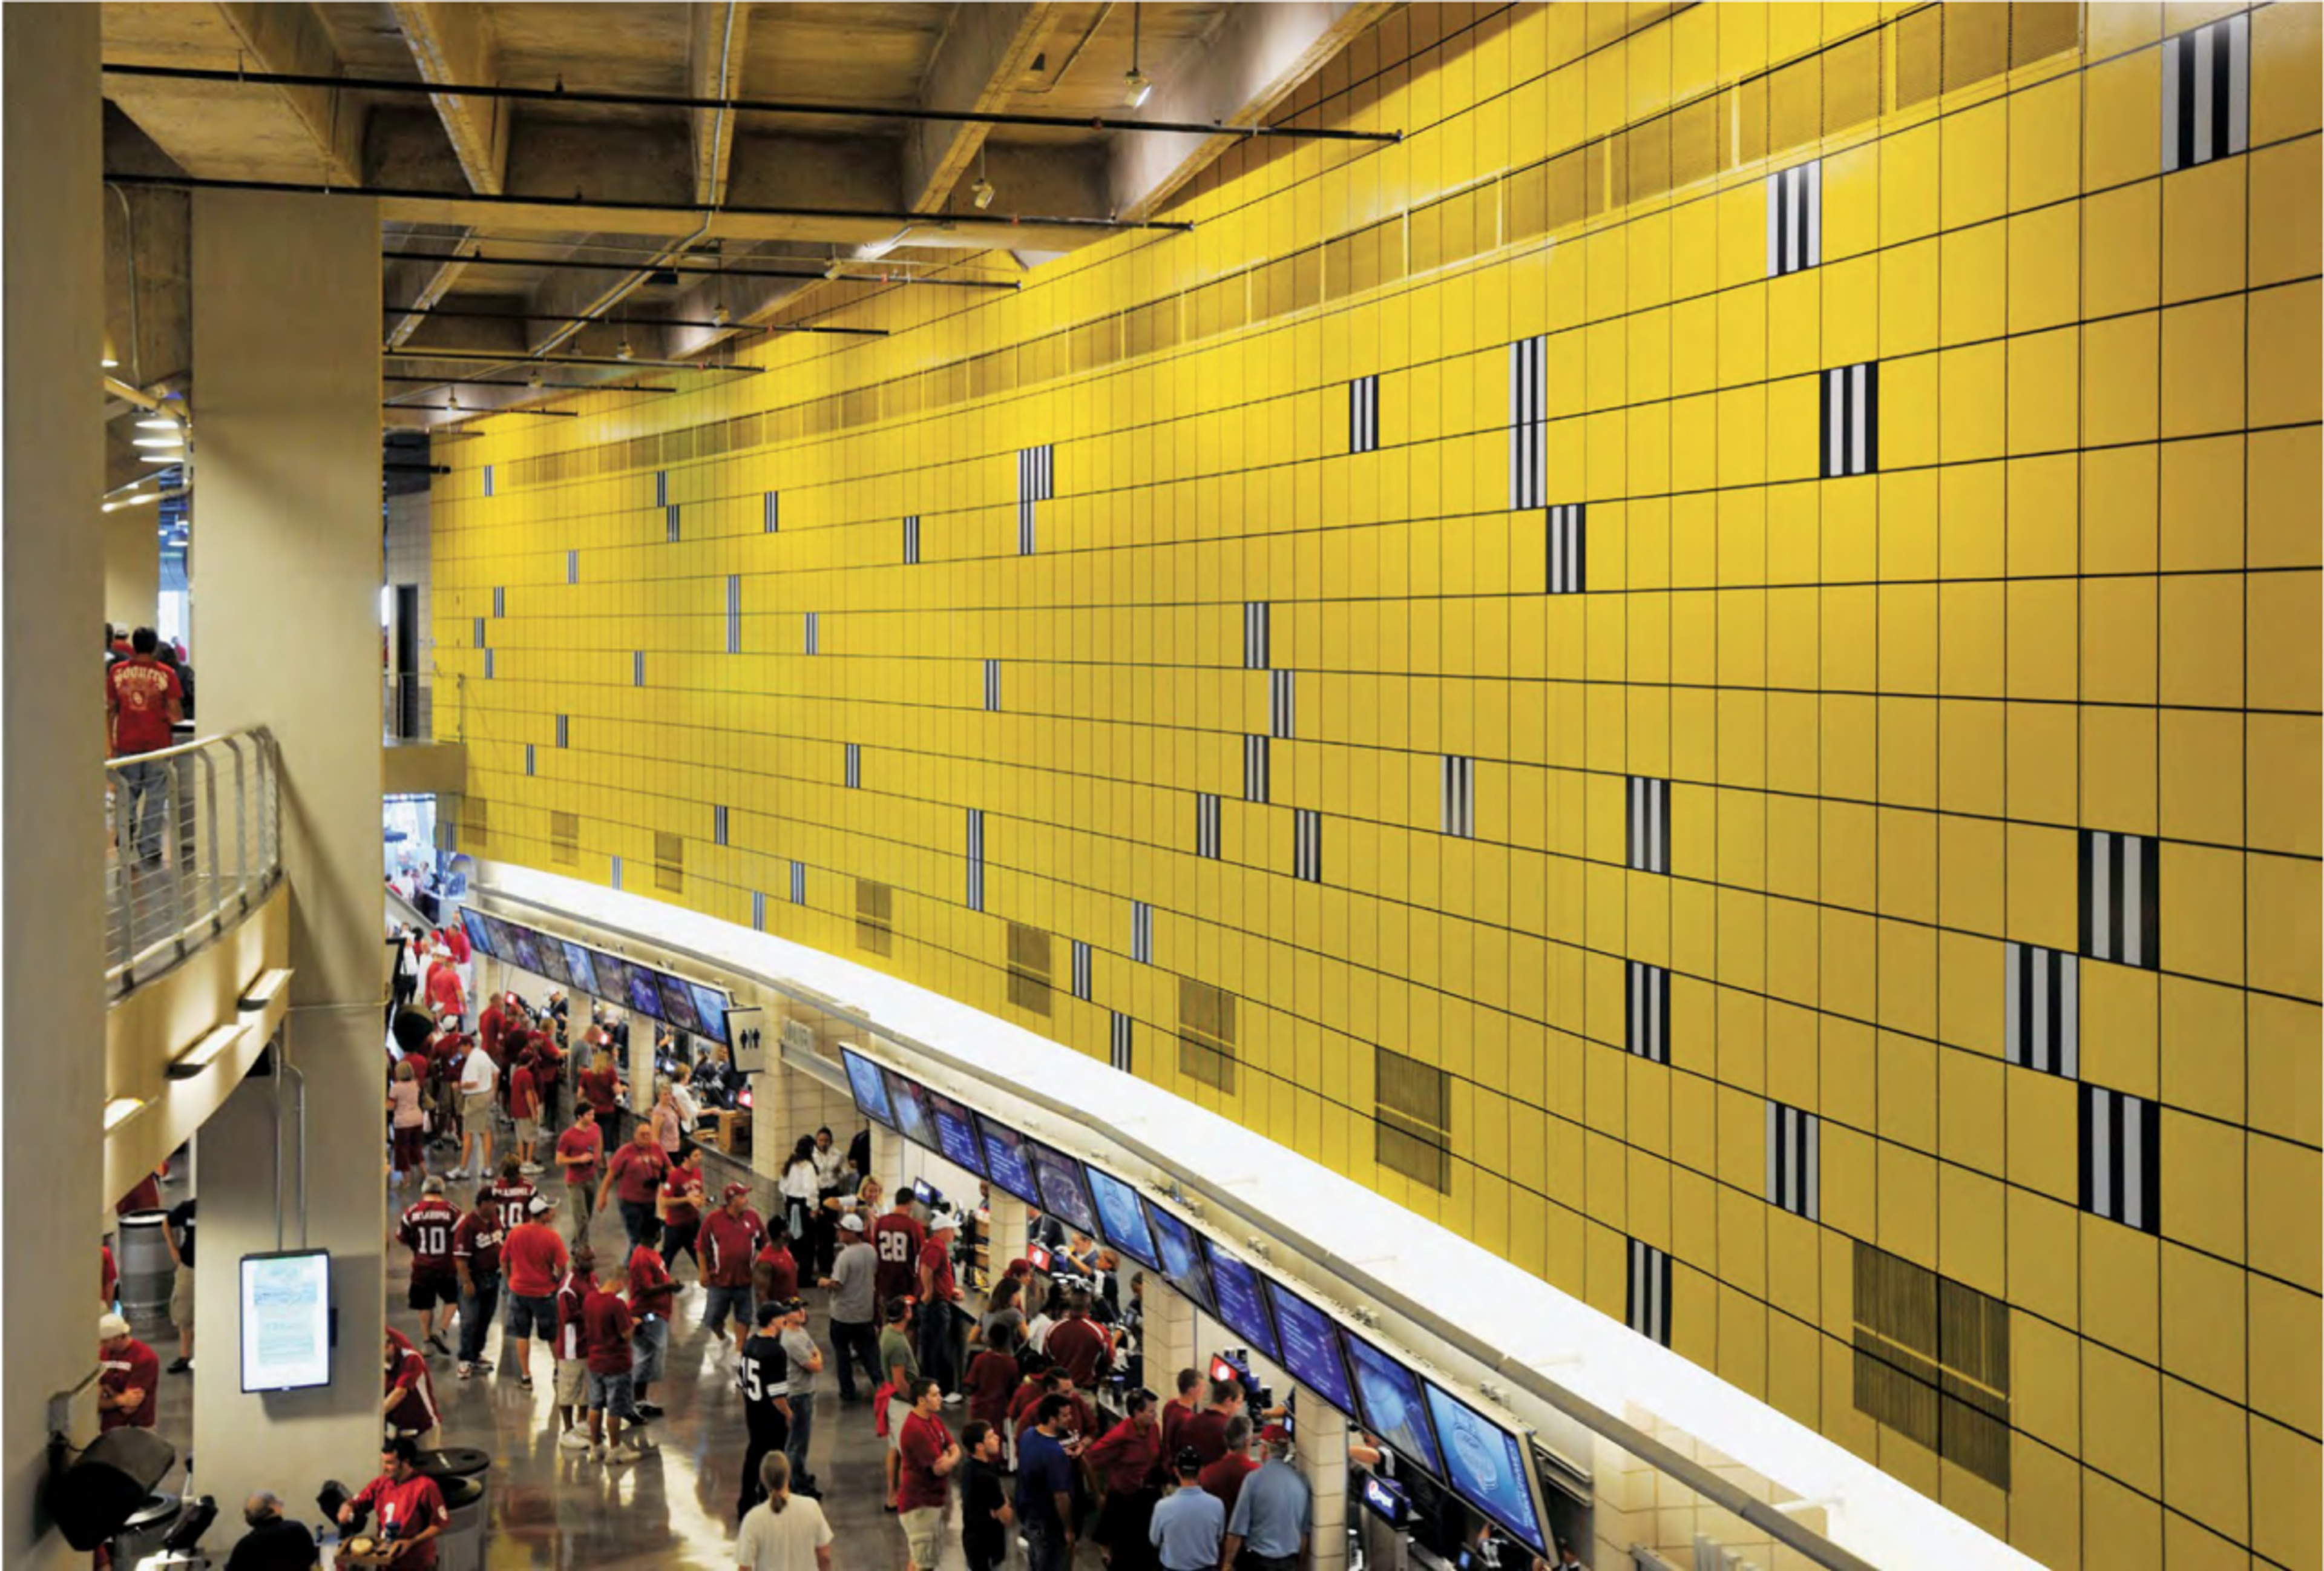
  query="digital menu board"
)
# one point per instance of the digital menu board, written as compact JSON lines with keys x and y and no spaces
{"x":710,"y":1010}
{"x":526,"y":957}
{"x":645,"y":990}
{"x":504,"y":946}
{"x":479,"y":936}
{"x":1242,"y":1302}
{"x":552,"y":959}
{"x":1063,"y":1194}
{"x":614,"y":978}
{"x":1393,"y":1407}
{"x":1121,"y":1219}
{"x":869,"y":1087}
{"x":286,"y":1320}
{"x":1311,"y":1346}
{"x":678,"y":1001}
{"x":909,"y":1099}
{"x":1008,"y":1161}
{"x":1485,"y":1463}
{"x":1182,"y":1257}
{"x":581,"y":965}
{"x":956,"y":1133}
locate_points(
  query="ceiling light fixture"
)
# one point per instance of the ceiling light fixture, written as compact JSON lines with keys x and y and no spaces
{"x":119,"y":1109}
{"x":982,"y":190}
{"x":720,"y":316}
{"x":1135,"y":87}
{"x":109,"y":363}
{"x":159,"y":422}
{"x":157,"y":441}
{"x":212,"y":1046}
{"x":626,"y":352}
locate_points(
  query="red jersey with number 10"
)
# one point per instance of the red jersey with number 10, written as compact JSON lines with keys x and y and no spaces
{"x":426,"y":1231}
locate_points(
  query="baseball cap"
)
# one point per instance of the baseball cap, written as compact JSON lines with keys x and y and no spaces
{"x":734,"y":1189}
{"x":1275,"y":1434}
{"x":942,"y":1220}
{"x":108,"y":1326}
{"x":1188,"y":1459}
{"x":768,"y":1313}
{"x":539,"y":1205}
{"x":851,"y":1222}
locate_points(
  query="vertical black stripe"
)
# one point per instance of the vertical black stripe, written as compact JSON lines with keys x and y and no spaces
{"x":2150,"y":910}
{"x":2222,"y":99}
{"x":2181,"y":63}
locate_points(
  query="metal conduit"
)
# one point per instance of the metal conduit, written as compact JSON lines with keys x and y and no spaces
{"x":826,"y":272}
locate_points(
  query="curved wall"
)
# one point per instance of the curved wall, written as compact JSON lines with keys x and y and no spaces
{"x":1622,"y":783}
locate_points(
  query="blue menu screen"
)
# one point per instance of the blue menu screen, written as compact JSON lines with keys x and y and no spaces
{"x":645,"y":991}
{"x":1063,"y":1192}
{"x":677,"y":1002}
{"x":1311,"y":1347}
{"x":527,"y":957}
{"x":1242,"y":1302}
{"x":710,"y":1009}
{"x":956,"y":1133}
{"x":1182,"y":1257}
{"x":1485,"y":1464}
{"x":582,"y":965}
{"x":871,"y":1090}
{"x":1393,"y":1407}
{"x":1122,"y":1219}
{"x":479,"y":936}
{"x":1007,"y":1161}
{"x":909,"y":1100}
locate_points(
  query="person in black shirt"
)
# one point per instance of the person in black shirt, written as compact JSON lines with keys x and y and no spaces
{"x":765,"y":1376}
{"x":985,"y":1516}
{"x":273,"y":1543}
{"x":179,"y":1232}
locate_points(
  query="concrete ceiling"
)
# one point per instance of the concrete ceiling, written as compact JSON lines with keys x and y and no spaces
{"x":639,"y":185}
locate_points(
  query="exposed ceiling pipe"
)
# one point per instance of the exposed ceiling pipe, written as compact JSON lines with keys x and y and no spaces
{"x":430,"y":381}
{"x":754,"y":105}
{"x":1057,"y":76}
{"x":675,"y":265}
{"x":500,"y":356}
{"x":129,"y":235}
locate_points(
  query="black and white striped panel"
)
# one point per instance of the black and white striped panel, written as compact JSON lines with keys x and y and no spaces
{"x":2122,"y":877}
{"x":1650,"y":825}
{"x":717,"y":825}
{"x":2043,"y":1026}
{"x":1649,"y":1304}
{"x":799,"y":884}
{"x":976,"y":859}
{"x":2122,"y":1151}
{"x":1459,"y":814}
{"x":564,"y":731}
{"x":1281,"y":710}
{"x":1363,"y":415}
{"x":572,"y":567}
{"x":617,"y":872}
{"x":1528,"y":423}
{"x":1568,"y":546}
{"x":813,"y":632}
{"x":669,"y":523}
{"x":1791,"y":1175}
{"x":758,"y":912}
{"x":1141,"y":932}
{"x":733,"y":618}
{"x":855,"y":766}
{"x":500,"y":601}
{"x":638,"y":660}
{"x":1307,"y":845}
{"x":1795,"y":220}
{"x":1851,"y":419}
{"x":1081,"y":970}
{"x":771,"y":513}
{"x":1036,"y":483}
{"x":488,"y":664}
{"x":912,"y":539}
{"x":1121,"y":1042}
{"x":1648,"y":995}
{"x":488,"y":480}
{"x":527,"y":758}
{"x":2206,"y":93}
{"x":478,"y":642}
{"x":1206,"y":824}
{"x":992,"y":685}
{"x":1255,"y":630}
{"x":1254,"y":769}
{"x":661,"y":488}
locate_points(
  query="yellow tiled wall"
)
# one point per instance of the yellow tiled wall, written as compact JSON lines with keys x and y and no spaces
{"x":1907,"y":699}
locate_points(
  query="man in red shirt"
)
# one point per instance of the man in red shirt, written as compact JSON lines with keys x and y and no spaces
{"x":407,"y":1506}
{"x":606,"y":1326}
{"x":476,"y":1244}
{"x":1179,"y":1408}
{"x":992,"y":1378}
{"x":1205,"y":1433}
{"x":572,"y":1350}
{"x":730,"y":1240}
{"x":147,"y":1196}
{"x":580,"y":1150}
{"x":939,"y":1292}
{"x":547,"y":1072}
{"x":635,"y":1175}
{"x":896,"y":1239}
{"x":535,"y":1260}
{"x":408,"y":1395}
{"x":774,"y":1275}
{"x":426,"y":1229}
{"x":524,"y":1111}
{"x":445,"y":995}
{"x":131,"y":1373}
{"x":492,"y":1025}
{"x":1081,"y":1347}
{"x":652,"y":1294}
{"x":109,"y":1280}
{"x":447,"y":1055}
{"x":681,"y":1211}
{"x":143,"y":699}
{"x":923,"y":1476}
{"x":1123,"y":1460}
{"x":1223,"y":1478}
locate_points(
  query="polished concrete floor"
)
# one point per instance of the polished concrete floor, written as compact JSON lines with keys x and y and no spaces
{"x":555,"y":1507}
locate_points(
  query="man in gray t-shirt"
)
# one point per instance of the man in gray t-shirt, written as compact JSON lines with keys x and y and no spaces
{"x":807,"y":1362}
{"x":854,"y":1334}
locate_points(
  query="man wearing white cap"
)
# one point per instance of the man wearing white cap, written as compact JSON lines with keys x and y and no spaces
{"x":854,"y":1336}
{"x":130,"y":1373}
{"x":939,"y":1292}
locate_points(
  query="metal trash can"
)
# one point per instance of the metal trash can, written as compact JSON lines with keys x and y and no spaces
{"x":460,"y":1471}
{"x":147,"y":1526}
{"x":147,"y":1271}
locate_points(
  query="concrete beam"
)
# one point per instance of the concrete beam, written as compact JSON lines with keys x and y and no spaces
{"x":291,"y":38}
{"x":455,"y":44}
{"x":224,"y":128}
{"x":715,"y":40}
{"x":1261,"y":52}
{"x":977,"y":65}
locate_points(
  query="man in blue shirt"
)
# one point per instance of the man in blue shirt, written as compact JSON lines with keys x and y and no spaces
{"x":1269,"y":1526}
{"x":1188,"y":1525}
{"x":1045,"y":1487}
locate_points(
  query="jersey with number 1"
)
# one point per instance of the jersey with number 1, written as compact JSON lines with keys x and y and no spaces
{"x":426,"y":1231}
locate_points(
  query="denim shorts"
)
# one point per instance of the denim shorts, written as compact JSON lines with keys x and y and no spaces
{"x":612,"y":1393}
{"x":649,"y":1348}
{"x":717,"y":1301}
{"x":529,"y":1317}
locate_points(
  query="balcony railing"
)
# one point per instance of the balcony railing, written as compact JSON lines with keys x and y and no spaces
{"x":194,"y":843}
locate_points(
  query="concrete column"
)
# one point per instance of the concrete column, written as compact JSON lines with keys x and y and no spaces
{"x":1320,"y":1451}
{"x":1169,"y":1338}
{"x":51,"y":600}
{"x":1009,"y":1221}
{"x":286,"y":354}
{"x":132,"y":565}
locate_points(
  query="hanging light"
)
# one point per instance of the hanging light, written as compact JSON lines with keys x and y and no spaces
{"x":982,"y":191}
{"x":626,"y":352}
{"x":157,"y":441}
{"x":1136,"y":86}
{"x":160,"y":422}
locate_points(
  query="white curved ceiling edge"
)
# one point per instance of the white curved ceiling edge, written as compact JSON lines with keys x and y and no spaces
{"x":1871,"y":1513}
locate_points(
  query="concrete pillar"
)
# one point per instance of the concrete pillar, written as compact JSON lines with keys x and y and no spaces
{"x":1170,"y":1336}
{"x":132,"y":565}
{"x":1006,"y":1221}
{"x":1320,"y":1451}
{"x":51,"y":600}
{"x":286,"y":354}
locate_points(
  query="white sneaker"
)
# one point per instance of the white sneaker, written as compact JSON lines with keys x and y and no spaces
{"x":574,"y":1440}
{"x":954,"y":1400}
{"x":641,"y":1443}
{"x":597,"y":1452}
{"x":622,"y":1456}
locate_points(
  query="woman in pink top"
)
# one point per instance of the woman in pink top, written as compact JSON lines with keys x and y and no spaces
{"x":408,"y":1120}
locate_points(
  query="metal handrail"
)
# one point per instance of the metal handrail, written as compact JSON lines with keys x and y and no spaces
{"x":187,"y":853}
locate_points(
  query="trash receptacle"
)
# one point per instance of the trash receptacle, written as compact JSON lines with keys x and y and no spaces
{"x":147,"y":1526}
{"x":147,"y":1271}
{"x":460,"y":1471}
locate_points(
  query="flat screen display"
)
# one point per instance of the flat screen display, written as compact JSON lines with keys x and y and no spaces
{"x":710,"y":1009}
{"x":582,"y":966}
{"x":909,"y":1098}
{"x":504,"y":939}
{"x":1386,"y":1500}
{"x":1242,"y":1302}
{"x":1122,"y":1219}
{"x":1063,"y":1192}
{"x":614,"y":979}
{"x":677,"y":1002}
{"x":1007,"y":1161}
{"x":645,"y":991}
{"x":1393,"y":1407}
{"x":956,"y":1133}
{"x":286,"y":1320}
{"x":479,"y":936}
{"x":527,"y":955}
{"x":1311,"y":1347}
{"x":1182,"y":1258}
{"x":1485,"y":1463}
{"x":870,"y":1088}
{"x":551,"y":953}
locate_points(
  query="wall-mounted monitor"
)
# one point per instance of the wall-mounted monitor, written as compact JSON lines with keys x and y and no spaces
{"x":645,"y":991}
{"x":1393,"y":1409}
{"x":286,"y":1321}
{"x":957,"y":1135}
{"x":550,"y":951}
{"x":480,"y":937}
{"x":503,"y":945}
{"x":1182,"y":1258}
{"x":870,"y":1088}
{"x":582,"y":966}
{"x":1064,"y":1194}
{"x":526,"y":950}
{"x":678,"y":1001}
{"x":614,"y":979}
{"x":1243,"y":1301}
{"x":1485,"y":1463}
{"x":1009,"y":1159}
{"x":710,"y":1010}
{"x":1311,"y":1346}
{"x":909,"y":1098}
{"x":1121,"y":1219}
